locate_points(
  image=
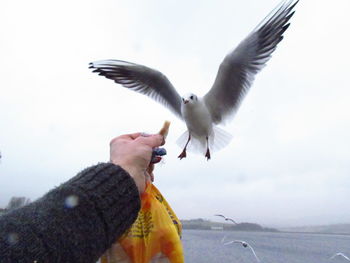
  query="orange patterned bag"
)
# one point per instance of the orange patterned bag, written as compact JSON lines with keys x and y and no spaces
{"x":154,"y":236}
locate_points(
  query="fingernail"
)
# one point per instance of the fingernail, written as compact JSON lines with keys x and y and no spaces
{"x":162,"y":138}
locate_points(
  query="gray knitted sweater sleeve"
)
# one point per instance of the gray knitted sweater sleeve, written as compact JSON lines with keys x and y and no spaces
{"x":75,"y":222}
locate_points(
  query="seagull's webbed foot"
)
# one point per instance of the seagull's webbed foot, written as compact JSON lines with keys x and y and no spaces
{"x":207,"y":154}
{"x":182,"y":155}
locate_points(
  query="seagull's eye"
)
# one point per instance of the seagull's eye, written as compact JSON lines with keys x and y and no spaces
{"x":183,"y":99}
{"x":191,"y":97}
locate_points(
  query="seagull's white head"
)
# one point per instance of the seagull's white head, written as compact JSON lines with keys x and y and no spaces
{"x":189,"y":99}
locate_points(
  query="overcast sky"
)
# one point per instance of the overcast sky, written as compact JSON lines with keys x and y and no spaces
{"x":288,"y":163}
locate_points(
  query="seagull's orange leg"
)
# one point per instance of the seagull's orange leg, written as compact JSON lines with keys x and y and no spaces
{"x":183,"y":154}
{"x":208,"y":152}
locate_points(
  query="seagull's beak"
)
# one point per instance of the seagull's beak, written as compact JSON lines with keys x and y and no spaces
{"x":186,"y":101}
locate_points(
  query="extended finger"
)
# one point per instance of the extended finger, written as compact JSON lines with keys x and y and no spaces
{"x":129,"y":137}
{"x":154,"y":140}
{"x":132,"y":136}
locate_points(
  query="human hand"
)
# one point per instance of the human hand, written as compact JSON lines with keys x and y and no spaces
{"x":133,"y":152}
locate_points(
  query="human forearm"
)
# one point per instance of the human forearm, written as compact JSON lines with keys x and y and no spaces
{"x":75,"y":222}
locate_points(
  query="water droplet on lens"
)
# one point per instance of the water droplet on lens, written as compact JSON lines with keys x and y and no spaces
{"x":71,"y":201}
{"x":13,"y":238}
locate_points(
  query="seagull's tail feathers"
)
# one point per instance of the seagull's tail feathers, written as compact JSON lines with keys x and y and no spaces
{"x":217,"y":140}
{"x":195,"y":145}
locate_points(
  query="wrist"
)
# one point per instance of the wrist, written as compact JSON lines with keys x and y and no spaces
{"x":136,"y":174}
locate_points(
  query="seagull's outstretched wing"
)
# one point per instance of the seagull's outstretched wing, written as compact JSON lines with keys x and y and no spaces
{"x":221,"y":216}
{"x":230,"y":219}
{"x":245,"y":244}
{"x":237,"y":71}
{"x":340,"y":255}
{"x":142,"y":79}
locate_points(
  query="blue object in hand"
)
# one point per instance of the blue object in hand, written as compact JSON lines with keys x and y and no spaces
{"x":157,"y":152}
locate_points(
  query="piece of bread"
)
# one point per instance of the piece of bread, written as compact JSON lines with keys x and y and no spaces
{"x":165,"y":129}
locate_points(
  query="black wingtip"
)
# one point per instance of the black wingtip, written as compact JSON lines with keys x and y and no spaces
{"x":284,"y":28}
{"x":292,"y":6}
{"x":295,"y":4}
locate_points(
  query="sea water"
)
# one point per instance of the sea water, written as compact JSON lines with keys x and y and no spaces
{"x":201,"y":246}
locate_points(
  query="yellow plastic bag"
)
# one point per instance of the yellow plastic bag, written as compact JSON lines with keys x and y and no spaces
{"x":154,"y":236}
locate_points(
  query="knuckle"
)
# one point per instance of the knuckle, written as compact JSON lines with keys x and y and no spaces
{"x":113,"y":141}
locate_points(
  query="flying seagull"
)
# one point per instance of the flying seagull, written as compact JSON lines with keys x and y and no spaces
{"x":224,"y":217}
{"x":234,"y":78}
{"x":244,"y":244}
{"x":227,"y":219}
{"x":340,"y":255}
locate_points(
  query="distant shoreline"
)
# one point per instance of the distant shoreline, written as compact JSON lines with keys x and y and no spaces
{"x":314,"y":233}
{"x":274,"y":232}
{"x":203,"y":224}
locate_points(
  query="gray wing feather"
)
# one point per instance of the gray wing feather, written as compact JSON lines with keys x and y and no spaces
{"x":237,"y":72}
{"x":141,"y":79}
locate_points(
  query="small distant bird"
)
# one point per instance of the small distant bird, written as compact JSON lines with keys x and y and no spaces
{"x":244,"y":244}
{"x":234,"y":78}
{"x":221,"y":216}
{"x":340,"y":255}
{"x":227,"y":219}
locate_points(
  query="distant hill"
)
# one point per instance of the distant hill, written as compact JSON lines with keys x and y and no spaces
{"x":209,"y":225}
{"x":2,"y":211}
{"x":326,"y":229}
